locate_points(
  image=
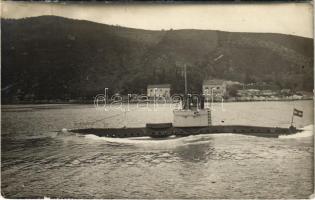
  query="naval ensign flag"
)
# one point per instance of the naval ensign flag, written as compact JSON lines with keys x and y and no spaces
{"x":298,"y":113}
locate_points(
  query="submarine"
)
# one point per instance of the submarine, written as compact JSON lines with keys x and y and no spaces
{"x":191,"y":119}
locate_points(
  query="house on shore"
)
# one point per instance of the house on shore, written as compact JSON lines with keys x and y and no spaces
{"x":159,"y":90}
{"x":215,"y":87}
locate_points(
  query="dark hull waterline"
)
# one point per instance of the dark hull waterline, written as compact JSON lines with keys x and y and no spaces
{"x":166,"y":130}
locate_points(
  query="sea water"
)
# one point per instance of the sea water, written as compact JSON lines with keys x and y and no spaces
{"x":41,"y":158}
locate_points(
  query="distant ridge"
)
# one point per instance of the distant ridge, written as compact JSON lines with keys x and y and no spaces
{"x":52,"y":57}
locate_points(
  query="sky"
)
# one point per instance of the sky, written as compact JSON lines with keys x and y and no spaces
{"x":285,"y":18}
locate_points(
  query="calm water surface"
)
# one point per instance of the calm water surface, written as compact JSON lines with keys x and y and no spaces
{"x":39,"y":160}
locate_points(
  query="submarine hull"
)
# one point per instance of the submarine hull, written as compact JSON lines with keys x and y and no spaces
{"x":166,"y":130}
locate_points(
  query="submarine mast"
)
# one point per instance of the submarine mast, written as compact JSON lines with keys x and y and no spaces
{"x":185,"y":76}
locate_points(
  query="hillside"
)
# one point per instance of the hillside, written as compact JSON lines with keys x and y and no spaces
{"x":57,"y":58}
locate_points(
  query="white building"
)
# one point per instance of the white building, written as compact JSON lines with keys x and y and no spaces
{"x":159,"y":90}
{"x":214,"y":86}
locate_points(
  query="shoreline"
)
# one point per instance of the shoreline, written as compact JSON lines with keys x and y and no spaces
{"x":132,"y":103}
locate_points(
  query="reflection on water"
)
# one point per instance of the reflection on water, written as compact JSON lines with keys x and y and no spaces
{"x":195,"y":152}
{"x":39,"y":160}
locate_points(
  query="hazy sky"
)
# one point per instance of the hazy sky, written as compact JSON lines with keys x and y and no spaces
{"x":287,"y":18}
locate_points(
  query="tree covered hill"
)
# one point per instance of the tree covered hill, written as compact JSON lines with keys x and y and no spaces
{"x":55,"y":58}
